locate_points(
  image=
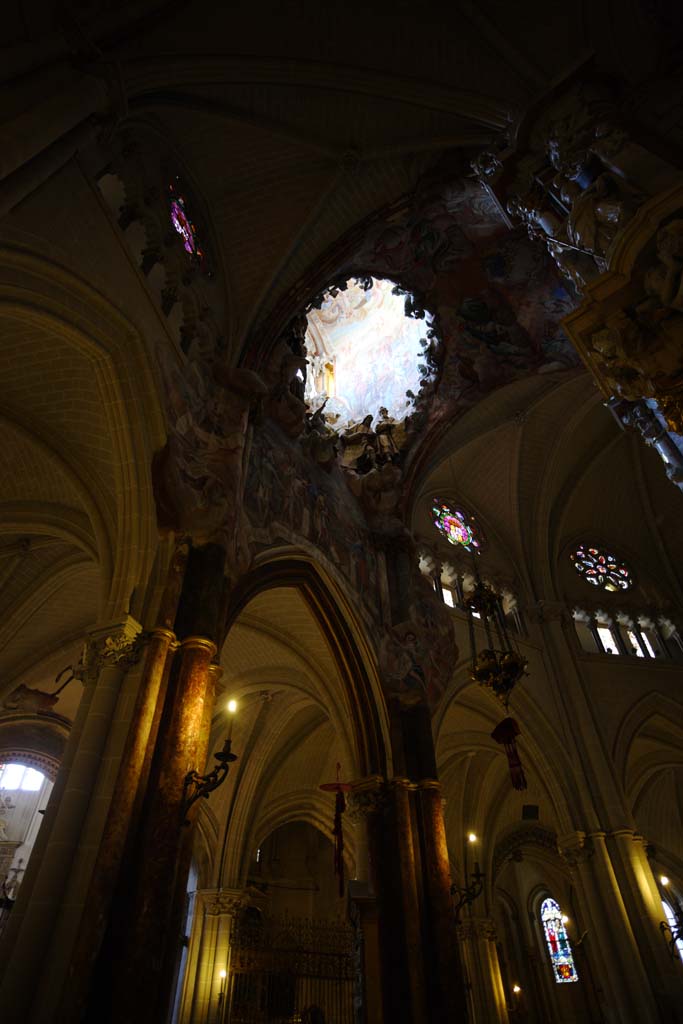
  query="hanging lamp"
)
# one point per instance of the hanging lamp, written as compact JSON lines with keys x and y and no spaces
{"x":497,"y":666}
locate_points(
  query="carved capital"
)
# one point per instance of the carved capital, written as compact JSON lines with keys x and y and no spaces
{"x":368,"y":796}
{"x":575,"y":848}
{"x":475,"y":929}
{"x":119,"y":645}
{"x":223,"y":901}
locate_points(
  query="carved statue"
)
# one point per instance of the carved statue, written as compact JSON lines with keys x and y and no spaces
{"x":543,"y":222}
{"x":485,"y":165}
{"x":286,"y":379}
{"x":638,"y":361}
{"x":664,"y":280}
{"x":597,"y":214}
{"x":380,"y":491}
{"x":387,"y":450}
{"x":24,"y":698}
{"x":320,"y":442}
{"x":358,"y":433}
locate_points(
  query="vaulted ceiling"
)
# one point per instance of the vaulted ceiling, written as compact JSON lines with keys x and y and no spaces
{"x":294,"y":123}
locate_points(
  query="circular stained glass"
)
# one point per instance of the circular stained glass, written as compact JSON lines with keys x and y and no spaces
{"x":601,"y":568}
{"x":456,"y":525}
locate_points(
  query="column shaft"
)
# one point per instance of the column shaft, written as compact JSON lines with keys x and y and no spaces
{"x":141,"y":931}
{"x":443,"y":968}
{"x":478,"y":939}
{"x":127,"y":794}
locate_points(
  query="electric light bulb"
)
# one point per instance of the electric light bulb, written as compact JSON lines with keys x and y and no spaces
{"x":565,"y":919}
{"x":516,"y":989}
{"x":663,"y":879}
{"x":223,"y":974}
{"x":232,"y":706}
{"x":472,"y":838}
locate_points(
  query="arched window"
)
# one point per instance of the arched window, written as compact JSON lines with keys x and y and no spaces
{"x":559,"y":950}
{"x":183,"y":225}
{"x":673,"y":925}
{"x":18,"y":776}
{"x":601,"y":568}
{"x":456,"y":525}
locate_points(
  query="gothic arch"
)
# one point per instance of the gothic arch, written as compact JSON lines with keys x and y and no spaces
{"x":346,"y":638}
{"x":644,"y":709}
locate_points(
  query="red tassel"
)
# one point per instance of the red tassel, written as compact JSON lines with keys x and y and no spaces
{"x":338,"y":833}
{"x":506,"y":733}
{"x":338,"y":788}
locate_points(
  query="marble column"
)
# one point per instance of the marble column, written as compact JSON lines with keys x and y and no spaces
{"x":392,"y":871}
{"x":443,"y":970}
{"x":477,"y":937}
{"x":133,"y":979}
{"x":144,"y":930}
{"x":121,"y":818}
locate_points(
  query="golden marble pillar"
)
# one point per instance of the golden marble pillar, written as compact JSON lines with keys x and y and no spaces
{"x":145,"y":931}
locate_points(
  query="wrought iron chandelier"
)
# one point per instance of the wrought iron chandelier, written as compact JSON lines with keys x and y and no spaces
{"x":497,"y":666}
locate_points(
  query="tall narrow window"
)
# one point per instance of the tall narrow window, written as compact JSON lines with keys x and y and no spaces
{"x":673,"y":925}
{"x":607,"y":637}
{"x":559,"y":950}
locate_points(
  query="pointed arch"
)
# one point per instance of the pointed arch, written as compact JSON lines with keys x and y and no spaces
{"x":638,"y":715}
{"x":346,"y":638}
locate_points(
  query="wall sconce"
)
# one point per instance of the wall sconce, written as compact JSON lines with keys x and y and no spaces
{"x":468,"y":893}
{"x":196,"y":785}
{"x":221,"y":991}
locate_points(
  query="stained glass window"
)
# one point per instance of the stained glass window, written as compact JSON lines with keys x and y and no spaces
{"x":601,"y":568}
{"x":559,"y":950}
{"x":181,"y":221}
{"x":456,"y":525}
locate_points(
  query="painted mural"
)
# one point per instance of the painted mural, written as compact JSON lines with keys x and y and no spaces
{"x":363,"y":353}
{"x":464,"y":304}
{"x":496,"y":295}
{"x":289,"y":496}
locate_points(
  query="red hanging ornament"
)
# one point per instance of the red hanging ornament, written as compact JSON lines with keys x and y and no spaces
{"x":338,"y":788}
{"x":506,"y":732}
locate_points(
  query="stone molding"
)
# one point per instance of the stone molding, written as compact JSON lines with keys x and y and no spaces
{"x":532,"y":835}
{"x":118,"y":645}
{"x":474,"y":929}
{"x":577,"y":847}
{"x":368,"y":796}
{"x":223,"y":901}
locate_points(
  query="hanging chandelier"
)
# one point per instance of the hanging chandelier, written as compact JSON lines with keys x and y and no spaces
{"x":497,"y":666}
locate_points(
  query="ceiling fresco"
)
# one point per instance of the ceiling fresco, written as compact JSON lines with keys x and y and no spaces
{"x":363,"y":353}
